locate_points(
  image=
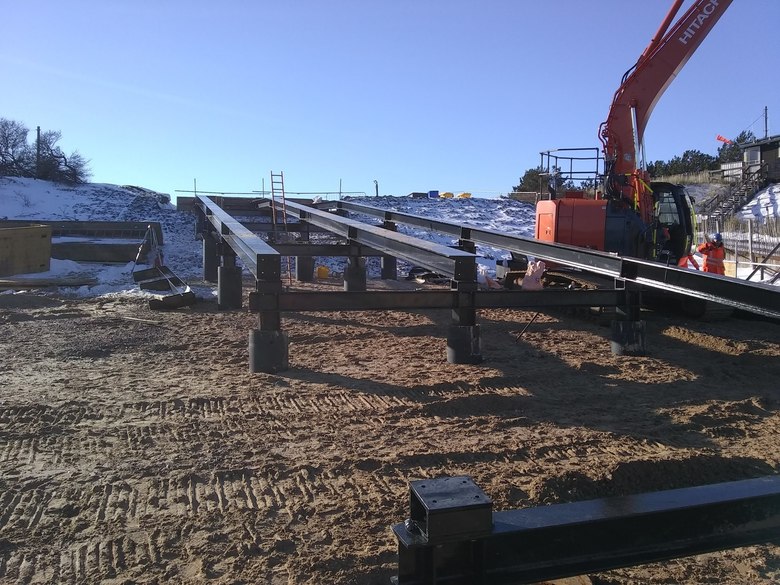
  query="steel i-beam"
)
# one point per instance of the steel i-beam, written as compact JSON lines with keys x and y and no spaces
{"x":452,"y":537}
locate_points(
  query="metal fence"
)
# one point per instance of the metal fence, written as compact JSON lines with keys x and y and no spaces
{"x":749,"y":243}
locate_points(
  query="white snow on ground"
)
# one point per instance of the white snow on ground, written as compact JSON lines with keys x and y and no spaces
{"x":765,"y":204}
{"x":30,"y":199}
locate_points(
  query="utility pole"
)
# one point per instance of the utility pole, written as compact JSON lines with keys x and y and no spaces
{"x":38,"y":154}
{"x":766,"y":122}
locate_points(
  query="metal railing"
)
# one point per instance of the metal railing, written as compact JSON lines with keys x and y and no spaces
{"x":726,"y":204}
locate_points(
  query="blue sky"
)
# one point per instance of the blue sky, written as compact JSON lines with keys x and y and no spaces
{"x":418,"y":95}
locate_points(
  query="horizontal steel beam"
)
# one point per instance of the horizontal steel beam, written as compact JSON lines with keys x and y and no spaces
{"x":258,"y":257}
{"x":431,"y":299}
{"x":761,"y":299}
{"x":451,"y":262}
{"x":334,"y":250}
{"x":295,"y":227}
{"x":552,"y":542}
{"x":754,"y":297}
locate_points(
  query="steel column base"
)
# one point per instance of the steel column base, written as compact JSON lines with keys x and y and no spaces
{"x":229,"y":288}
{"x":628,"y":338}
{"x":464,"y":345}
{"x":268,"y":351}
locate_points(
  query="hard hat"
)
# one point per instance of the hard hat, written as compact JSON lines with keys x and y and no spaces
{"x":717,"y":238}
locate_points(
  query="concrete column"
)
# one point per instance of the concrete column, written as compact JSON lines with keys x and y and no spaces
{"x":355,"y":274}
{"x":389,"y":267}
{"x":268,"y":351}
{"x":628,"y":338}
{"x":268,"y":344}
{"x":464,"y":345}
{"x":628,"y":332}
{"x":304,"y":268}
{"x":304,"y":265}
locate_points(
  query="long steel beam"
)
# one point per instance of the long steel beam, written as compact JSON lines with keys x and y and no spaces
{"x":451,"y":262}
{"x":391,"y":300}
{"x":448,"y":540}
{"x":258,"y":257}
{"x":754,"y":297}
{"x":292,"y":227}
{"x":310,"y":249}
{"x":762,"y":299}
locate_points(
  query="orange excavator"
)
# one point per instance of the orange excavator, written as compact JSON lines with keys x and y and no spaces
{"x":632,"y":215}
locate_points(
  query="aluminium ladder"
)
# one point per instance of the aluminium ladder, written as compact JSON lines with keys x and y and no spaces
{"x":277,"y":196}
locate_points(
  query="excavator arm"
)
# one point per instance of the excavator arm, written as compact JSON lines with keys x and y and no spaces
{"x":642,"y":86}
{"x":633,"y":216}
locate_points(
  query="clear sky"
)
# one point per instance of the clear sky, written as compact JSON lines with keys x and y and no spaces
{"x":452,"y":95}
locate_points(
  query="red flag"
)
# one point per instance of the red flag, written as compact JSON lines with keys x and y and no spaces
{"x":723,"y":139}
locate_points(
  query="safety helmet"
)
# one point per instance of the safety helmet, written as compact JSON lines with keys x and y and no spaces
{"x":717,"y":238}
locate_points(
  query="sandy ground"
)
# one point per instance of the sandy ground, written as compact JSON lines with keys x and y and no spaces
{"x":135,"y":446}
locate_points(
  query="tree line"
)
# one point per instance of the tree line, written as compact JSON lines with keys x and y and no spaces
{"x":691,"y":161}
{"x":40,"y":159}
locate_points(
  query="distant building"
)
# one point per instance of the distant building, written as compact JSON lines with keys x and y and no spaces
{"x":760,"y":163}
{"x":763,"y":155}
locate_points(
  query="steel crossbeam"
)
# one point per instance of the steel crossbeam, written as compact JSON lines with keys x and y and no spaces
{"x":311,"y":249}
{"x":431,"y":299}
{"x":447,"y":540}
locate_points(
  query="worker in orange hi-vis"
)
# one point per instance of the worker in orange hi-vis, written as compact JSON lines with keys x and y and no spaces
{"x":714,"y":254}
{"x":687,"y":261}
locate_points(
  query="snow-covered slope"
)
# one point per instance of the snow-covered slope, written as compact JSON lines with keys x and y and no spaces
{"x":30,"y":199}
{"x":765,"y":204}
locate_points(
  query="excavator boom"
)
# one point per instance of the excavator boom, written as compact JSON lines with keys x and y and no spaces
{"x":634,"y":216}
{"x":669,"y":50}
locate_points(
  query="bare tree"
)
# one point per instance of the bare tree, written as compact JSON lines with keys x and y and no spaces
{"x":16,"y":157}
{"x":55,"y":165}
{"x":44,"y":160}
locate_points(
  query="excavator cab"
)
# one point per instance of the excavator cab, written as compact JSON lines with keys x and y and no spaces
{"x":613,"y":226}
{"x":673,"y":230}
